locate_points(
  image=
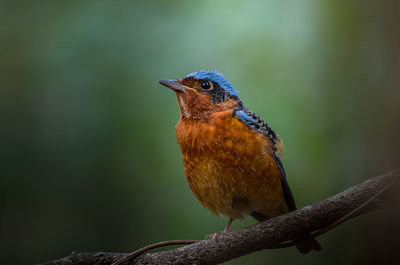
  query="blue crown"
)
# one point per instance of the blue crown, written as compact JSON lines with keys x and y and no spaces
{"x":215,"y":77}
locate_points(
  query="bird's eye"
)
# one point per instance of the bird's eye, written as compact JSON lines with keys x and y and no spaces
{"x":205,"y":85}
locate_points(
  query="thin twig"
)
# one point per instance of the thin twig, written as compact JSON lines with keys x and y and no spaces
{"x":136,"y":253}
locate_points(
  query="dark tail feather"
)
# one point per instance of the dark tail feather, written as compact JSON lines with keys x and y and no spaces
{"x":304,"y":246}
{"x":308,"y":245}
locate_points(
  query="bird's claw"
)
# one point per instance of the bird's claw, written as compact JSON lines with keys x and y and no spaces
{"x":212,"y":236}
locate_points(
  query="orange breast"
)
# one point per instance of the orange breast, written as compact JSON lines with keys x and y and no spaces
{"x":229,"y":166}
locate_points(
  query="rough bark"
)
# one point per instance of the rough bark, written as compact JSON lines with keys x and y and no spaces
{"x":265,"y":235}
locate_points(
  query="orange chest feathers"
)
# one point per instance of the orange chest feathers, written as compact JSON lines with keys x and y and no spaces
{"x":229,"y":167}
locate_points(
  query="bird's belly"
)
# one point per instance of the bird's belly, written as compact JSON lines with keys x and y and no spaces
{"x":235,"y":189}
{"x":233,"y":174}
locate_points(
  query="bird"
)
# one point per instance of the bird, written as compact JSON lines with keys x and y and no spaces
{"x":231,"y":156}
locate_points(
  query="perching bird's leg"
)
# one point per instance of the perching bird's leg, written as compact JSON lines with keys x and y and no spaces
{"x":226,"y":230}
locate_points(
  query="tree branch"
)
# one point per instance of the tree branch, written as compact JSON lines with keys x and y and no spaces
{"x":266,"y":235}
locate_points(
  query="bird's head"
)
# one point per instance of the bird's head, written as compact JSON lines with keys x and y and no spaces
{"x":202,"y":93}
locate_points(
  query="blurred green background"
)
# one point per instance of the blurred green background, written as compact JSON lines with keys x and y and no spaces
{"x":89,"y":159}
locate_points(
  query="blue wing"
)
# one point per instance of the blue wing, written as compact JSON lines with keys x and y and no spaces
{"x":254,"y":122}
{"x":246,"y":119}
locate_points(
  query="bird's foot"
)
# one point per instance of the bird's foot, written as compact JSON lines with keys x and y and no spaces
{"x":212,"y":236}
{"x":226,"y":230}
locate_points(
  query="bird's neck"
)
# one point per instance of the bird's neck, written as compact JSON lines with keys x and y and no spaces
{"x":200,"y":107}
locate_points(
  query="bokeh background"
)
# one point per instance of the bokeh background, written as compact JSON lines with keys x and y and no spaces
{"x":89,"y":159}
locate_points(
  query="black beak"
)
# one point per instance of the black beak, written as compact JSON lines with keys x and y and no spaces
{"x":173,"y":84}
